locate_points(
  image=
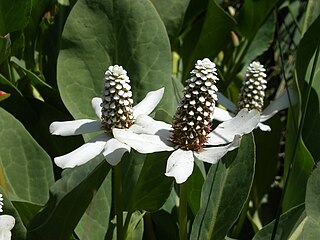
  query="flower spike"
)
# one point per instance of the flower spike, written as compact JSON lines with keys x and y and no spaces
{"x":192,"y":121}
{"x":254,"y":85}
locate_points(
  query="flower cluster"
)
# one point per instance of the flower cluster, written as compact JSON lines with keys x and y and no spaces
{"x":7,"y":222}
{"x":254,"y":85}
{"x":117,"y":99}
{"x":192,"y":121}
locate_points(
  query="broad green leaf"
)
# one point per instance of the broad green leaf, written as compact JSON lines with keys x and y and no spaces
{"x":19,"y":230}
{"x":153,"y":187}
{"x":214,"y":35}
{"x":172,"y":14}
{"x":97,"y":214}
{"x":224,"y":192}
{"x":286,"y":227}
{"x":5,"y":44}
{"x":27,"y":210}
{"x":253,"y":15}
{"x":22,"y":159}
{"x":305,"y":61}
{"x":312,"y":12}
{"x":195,"y":183}
{"x":102,"y":33}
{"x":69,"y":198}
{"x":14,"y":15}
{"x":300,"y":172}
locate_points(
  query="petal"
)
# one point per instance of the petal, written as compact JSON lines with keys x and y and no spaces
{"x":143,"y":143}
{"x":114,"y":150}
{"x":264,"y":127}
{"x":96,"y":105}
{"x":180,"y":165}
{"x":84,"y":153}
{"x":214,"y":154}
{"x":145,"y":124}
{"x":221,"y":115}
{"x":280,"y":103}
{"x":75,"y":127}
{"x":149,"y":103}
{"x":6,"y":222}
{"x":243,"y":123}
{"x":226,"y":102}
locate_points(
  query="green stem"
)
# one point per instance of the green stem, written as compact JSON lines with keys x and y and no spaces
{"x":118,"y":200}
{"x":183,"y":215}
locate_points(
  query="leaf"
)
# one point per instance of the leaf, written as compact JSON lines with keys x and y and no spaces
{"x":286,"y":226}
{"x":5,"y":44}
{"x":22,"y":159}
{"x":172,"y":14}
{"x":215,"y":33}
{"x":63,"y":211}
{"x":153,"y":187}
{"x":305,"y":61}
{"x":15,"y":16}
{"x":102,"y":33}
{"x":97,"y":214}
{"x":224,"y":193}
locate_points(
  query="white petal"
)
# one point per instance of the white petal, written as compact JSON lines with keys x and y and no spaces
{"x":114,"y":150}
{"x":264,"y":127}
{"x":84,"y":153}
{"x":6,"y":222}
{"x":243,"y":123}
{"x":180,"y":165}
{"x":214,"y":154}
{"x":146,"y":125}
{"x":221,"y":115}
{"x":149,"y":103}
{"x":280,"y":103}
{"x":143,"y":143}
{"x":226,"y":102}
{"x":96,"y":105}
{"x":75,"y":127}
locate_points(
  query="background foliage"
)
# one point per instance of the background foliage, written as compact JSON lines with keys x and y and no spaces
{"x":53,"y":55}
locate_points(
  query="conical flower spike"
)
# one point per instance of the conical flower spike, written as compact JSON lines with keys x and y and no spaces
{"x":116,"y":101}
{"x":254,"y":85}
{"x":192,"y":121}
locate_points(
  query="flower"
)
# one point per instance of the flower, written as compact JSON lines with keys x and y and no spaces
{"x":115,"y":111}
{"x":251,"y":97}
{"x":191,"y":134}
{"x":6,"y":223}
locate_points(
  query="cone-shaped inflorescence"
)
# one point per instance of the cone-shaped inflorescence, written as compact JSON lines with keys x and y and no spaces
{"x":192,"y":121}
{"x":117,"y":99}
{"x":254,"y":85}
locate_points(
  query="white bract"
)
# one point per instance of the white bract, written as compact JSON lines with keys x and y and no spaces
{"x":115,"y":111}
{"x":190,"y":135}
{"x":6,"y":223}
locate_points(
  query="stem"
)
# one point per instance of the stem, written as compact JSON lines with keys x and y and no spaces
{"x":118,"y":200}
{"x":183,"y":215}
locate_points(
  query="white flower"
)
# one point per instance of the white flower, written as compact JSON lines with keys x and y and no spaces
{"x":191,"y":134}
{"x":116,"y":113}
{"x":6,"y":224}
{"x":251,"y":97}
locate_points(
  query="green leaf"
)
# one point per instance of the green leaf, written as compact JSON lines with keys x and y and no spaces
{"x":215,"y":33}
{"x":286,"y":226}
{"x":5,"y":44}
{"x":172,"y":14}
{"x":153,"y":187}
{"x":224,"y":192}
{"x":305,"y":61}
{"x":14,"y":15}
{"x":97,"y":214}
{"x":69,"y":198}
{"x":102,"y":33}
{"x":21,"y":157}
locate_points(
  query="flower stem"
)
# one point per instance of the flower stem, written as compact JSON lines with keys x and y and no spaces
{"x":118,"y":200}
{"x":183,"y":215}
